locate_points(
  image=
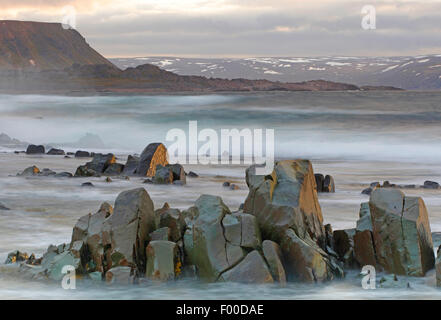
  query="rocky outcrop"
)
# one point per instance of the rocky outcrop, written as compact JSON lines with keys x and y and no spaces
{"x":56,"y":152}
{"x":33,"y":149}
{"x":273,"y":256}
{"x":324,"y":183}
{"x":401,"y":233}
{"x":154,"y":154}
{"x":286,"y":207}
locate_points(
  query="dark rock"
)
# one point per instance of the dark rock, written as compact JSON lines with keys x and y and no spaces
{"x":3,"y":207}
{"x":163,"y":175}
{"x":56,"y":152}
{"x":431,"y":185}
{"x":82,"y":154}
{"x":367,"y":191}
{"x":147,"y":181}
{"x":33,"y":149}
{"x":84,"y":171}
{"x":226,"y":184}
{"x":328,"y":184}
{"x":375,"y":184}
{"x":153,"y":155}
{"x":101,"y":162}
{"x":234,"y":187}
{"x":191,"y":174}
{"x":174,"y":220}
{"x":364,"y":250}
{"x":16,"y":256}
{"x":178,"y":173}
{"x":114,"y":169}
{"x":47,"y":172}
{"x":131,"y":165}
{"x":108,"y":180}
{"x":87,"y":184}
{"x":319,"y":180}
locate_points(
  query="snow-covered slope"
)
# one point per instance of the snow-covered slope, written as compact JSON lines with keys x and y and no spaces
{"x":422,"y":72}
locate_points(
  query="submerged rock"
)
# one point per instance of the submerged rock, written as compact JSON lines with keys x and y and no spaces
{"x":30,"y":171}
{"x":82,"y":154}
{"x":154,"y":154}
{"x":114,"y":169}
{"x":163,"y":175}
{"x":56,"y":152}
{"x":192,"y":174}
{"x":131,"y":165}
{"x":3,"y":207}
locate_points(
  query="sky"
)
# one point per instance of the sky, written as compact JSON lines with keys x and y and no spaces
{"x":242,"y":28}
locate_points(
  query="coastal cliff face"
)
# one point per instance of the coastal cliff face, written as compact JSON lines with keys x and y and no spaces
{"x":38,"y":46}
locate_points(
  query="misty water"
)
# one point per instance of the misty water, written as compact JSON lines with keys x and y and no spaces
{"x":358,"y":137}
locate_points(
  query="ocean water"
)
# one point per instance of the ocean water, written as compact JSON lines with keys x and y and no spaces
{"x":358,"y":137}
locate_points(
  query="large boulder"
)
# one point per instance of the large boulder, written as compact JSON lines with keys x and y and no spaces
{"x":153,"y":154}
{"x":211,"y":253}
{"x":252,"y":269}
{"x":286,"y":207}
{"x":131,"y":165}
{"x":163,"y":175}
{"x":163,"y":261}
{"x":401,"y":232}
{"x":56,"y":152}
{"x":33,"y":149}
{"x":128,"y":228}
{"x":101,"y":162}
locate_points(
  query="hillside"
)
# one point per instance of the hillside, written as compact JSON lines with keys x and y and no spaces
{"x":38,"y":46}
{"x":413,"y":73}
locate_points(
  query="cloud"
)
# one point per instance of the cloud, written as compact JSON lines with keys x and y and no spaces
{"x":245,"y":27}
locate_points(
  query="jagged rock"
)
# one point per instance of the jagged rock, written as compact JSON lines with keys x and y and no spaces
{"x":82,"y":154}
{"x":286,"y":206}
{"x":154,"y":154}
{"x":56,"y":152}
{"x":163,"y":262}
{"x":120,"y":276}
{"x":33,"y":149}
{"x":163,"y":175}
{"x":193,"y":174}
{"x":305,"y":261}
{"x":252,"y":269}
{"x":84,"y":171}
{"x":250,"y":236}
{"x":328,"y":184}
{"x":431,"y":185}
{"x":16,"y":256}
{"x":401,"y":232}
{"x":89,"y":230}
{"x":344,"y":246}
{"x":174,"y":220}
{"x":319,"y":179}
{"x":101,"y":162}
{"x":131,"y":165}
{"x":178,"y":173}
{"x":132,"y":221}
{"x":114,"y":169}
{"x":161,"y":234}
{"x":367,"y":191}
{"x":3,"y":207}
{"x":273,"y":255}
{"x":211,"y":253}
{"x":31,"y":171}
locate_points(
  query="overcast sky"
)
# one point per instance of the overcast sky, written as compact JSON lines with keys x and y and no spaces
{"x":243,"y":28}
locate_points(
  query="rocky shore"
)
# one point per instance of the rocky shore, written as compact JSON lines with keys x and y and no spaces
{"x":277,"y":236}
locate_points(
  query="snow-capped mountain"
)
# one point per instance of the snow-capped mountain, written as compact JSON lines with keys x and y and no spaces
{"x":421,"y":72}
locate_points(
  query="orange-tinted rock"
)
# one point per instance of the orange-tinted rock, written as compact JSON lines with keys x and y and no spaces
{"x":154,"y":154}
